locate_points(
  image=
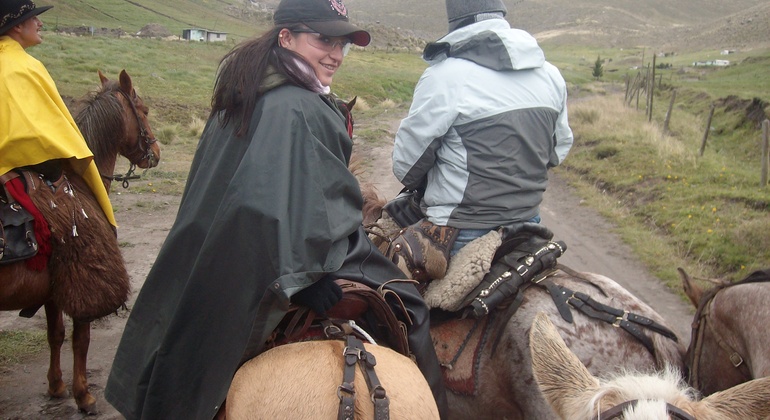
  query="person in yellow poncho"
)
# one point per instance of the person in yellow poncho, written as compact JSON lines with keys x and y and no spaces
{"x":36,"y":128}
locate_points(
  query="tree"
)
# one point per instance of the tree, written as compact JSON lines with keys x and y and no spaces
{"x":598,"y":68}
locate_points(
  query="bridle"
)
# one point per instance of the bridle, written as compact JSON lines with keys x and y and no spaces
{"x":700,"y":327}
{"x":616,"y":412}
{"x":144,"y":145}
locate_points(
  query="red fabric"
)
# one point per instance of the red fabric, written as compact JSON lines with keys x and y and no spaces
{"x":43,"y":235}
{"x":350,"y":124}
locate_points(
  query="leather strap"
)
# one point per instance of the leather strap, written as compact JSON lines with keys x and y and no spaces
{"x":346,"y":391}
{"x":355,"y":353}
{"x":626,"y":320}
{"x":617,"y":411}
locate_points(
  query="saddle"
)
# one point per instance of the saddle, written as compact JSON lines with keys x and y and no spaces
{"x":361,"y":313}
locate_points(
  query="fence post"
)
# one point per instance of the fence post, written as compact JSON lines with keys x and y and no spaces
{"x":668,"y":113}
{"x":708,"y":128}
{"x":765,"y":152}
{"x":652,"y":90}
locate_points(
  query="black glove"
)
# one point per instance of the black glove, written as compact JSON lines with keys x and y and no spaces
{"x":319,"y":296}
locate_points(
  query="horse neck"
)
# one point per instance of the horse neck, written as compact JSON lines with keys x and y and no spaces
{"x":100,"y":120}
{"x":106,"y":166}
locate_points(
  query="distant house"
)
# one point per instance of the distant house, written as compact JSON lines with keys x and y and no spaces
{"x":203,"y":35}
{"x":717,"y":63}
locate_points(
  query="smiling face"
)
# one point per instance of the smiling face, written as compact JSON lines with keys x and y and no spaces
{"x":313,"y":48}
{"x":27,"y":33}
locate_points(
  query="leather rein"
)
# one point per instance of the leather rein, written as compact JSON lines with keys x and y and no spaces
{"x":144,"y":146}
{"x":616,"y":412}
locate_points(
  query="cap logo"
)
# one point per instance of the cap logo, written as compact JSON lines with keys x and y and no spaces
{"x":339,"y":7}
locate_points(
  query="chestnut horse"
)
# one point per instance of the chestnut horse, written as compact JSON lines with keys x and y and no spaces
{"x":574,"y":393}
{"x":730,"y":341}
{"x":85,"y":277}
{"x":487,"y":362}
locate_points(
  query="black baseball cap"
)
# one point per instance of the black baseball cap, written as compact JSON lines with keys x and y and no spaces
{"x":327,"y":17}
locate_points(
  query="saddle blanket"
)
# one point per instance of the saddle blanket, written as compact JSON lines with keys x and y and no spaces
{"x":459,"y":344}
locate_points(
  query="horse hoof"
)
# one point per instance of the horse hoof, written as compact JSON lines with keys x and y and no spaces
{"x":88,"y":407}
{"x":59,"y":392}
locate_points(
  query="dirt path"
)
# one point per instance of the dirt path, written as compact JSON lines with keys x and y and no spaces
{"x":146,"y":219}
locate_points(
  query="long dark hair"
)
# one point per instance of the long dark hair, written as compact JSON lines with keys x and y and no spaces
{"x":239,"y":81}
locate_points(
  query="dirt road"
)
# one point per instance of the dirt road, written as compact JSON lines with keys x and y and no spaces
{"x":145,"y":220}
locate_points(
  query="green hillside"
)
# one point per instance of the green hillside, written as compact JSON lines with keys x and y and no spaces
{"x":235,"y":17}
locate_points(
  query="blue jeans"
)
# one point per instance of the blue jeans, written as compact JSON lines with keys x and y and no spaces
{"x":467,"y":235}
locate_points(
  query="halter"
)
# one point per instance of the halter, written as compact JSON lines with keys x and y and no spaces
{"x":616,"y":412}
{"x":144,"y":146}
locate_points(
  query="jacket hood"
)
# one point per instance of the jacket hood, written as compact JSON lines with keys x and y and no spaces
{"x":490,"y":43}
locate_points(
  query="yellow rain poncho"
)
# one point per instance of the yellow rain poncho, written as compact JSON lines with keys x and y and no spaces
{"x":36,"y":126}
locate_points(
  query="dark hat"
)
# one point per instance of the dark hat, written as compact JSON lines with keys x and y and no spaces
{"x":327,"y":17}
{"x":14,"y":12}
{"x":459,"y":10}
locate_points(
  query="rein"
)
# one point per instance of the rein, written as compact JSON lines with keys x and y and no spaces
{"x":616,"y":412}
{"x":143,"y":145}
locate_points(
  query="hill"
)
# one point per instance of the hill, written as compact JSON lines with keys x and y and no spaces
{"x":681,"y":25}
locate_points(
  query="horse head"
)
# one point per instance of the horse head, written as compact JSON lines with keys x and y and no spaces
{"x":113,"y":120}
{"x":573,"y":392}
{"x":140,"y":146}
{"x":729,"y":340}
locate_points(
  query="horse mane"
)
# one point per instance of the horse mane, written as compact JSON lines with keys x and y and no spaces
{"x":373,"y":203}
{"x":662,"y":387}
{"x":99,"y":115}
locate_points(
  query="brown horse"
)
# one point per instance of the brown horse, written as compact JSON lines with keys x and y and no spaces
{"x":85,"y":277}
{"x":730,"y":342}
{"x":574,"y":393}
{"x":487,"y":362}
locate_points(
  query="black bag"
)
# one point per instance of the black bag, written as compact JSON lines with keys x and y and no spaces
{"x":405,"y":208}
{"x":17,"y":233}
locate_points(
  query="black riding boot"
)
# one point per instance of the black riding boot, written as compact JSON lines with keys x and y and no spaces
{"x":366,"y":264}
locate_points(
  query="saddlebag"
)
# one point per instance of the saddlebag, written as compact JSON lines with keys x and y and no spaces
{"x":17,"y":233}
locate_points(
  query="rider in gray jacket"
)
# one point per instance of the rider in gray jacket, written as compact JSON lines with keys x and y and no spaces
{"x":487,"y":121}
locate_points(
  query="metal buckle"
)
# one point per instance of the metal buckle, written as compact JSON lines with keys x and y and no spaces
{"x":736,"y":359}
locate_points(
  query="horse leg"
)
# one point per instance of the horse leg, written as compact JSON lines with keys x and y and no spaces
{"x":55,"y":320}
{"x":81,"y":339}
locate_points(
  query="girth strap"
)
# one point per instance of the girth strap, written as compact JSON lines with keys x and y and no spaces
{"x":630,"y":322}
{"x":355,"y":353}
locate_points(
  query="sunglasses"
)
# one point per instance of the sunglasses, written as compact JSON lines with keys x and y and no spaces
{"x":323,"y":42}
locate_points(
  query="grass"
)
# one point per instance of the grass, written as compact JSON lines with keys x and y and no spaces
{"x":17,"y":345}
{"x":674,"y":207}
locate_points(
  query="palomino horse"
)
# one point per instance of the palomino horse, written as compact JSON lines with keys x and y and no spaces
{"x":85,"y":277}
{"x":303,"y":381}
{"x":574,"y":393}
{"x":730,"y":341}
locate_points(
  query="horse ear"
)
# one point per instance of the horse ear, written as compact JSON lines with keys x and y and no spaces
{"x":563,"y":379}
{"x":125,"y":83}
{"x":352,"y":103}
{"x":749,"y":400}
{"x":691,"y":289}
{"x":102,"y":77}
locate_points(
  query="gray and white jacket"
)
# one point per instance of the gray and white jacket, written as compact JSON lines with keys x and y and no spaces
{"x":488,"y":118}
